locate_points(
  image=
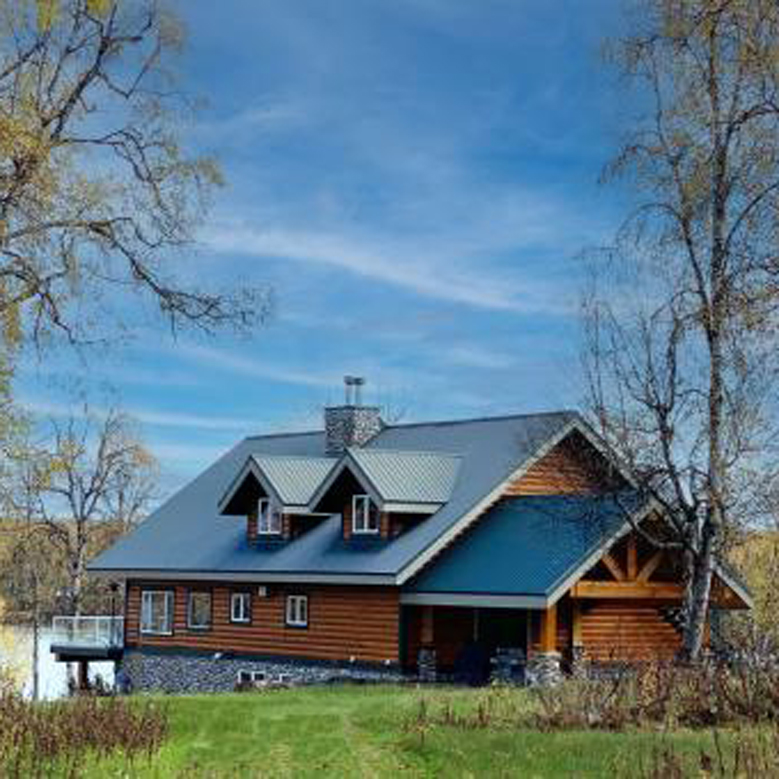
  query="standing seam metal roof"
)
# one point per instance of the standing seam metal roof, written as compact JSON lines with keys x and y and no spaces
{"x":187,"y":533}
{"x":409,"y":477}
{"x":525,"y":546}
{"x":294,"y":478}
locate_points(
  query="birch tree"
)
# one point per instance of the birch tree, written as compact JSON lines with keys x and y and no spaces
{"x":98,"y":193}
{"x":93,"y":475}
{"x":682,"y":316}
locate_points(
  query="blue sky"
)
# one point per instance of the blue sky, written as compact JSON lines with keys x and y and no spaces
{"x":415,"y":180}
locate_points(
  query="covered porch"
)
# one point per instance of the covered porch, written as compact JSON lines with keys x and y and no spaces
{"x":487,"y":639}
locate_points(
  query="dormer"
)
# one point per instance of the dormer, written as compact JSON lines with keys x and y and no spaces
{"x":272,"y":494}
{"x":382,"y":493}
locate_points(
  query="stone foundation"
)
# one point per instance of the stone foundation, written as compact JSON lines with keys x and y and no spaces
{"x":190,"y":673}
{"x":543,"y":669}
{"x":427,"y":665}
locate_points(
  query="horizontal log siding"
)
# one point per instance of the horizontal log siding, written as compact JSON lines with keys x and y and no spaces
{"x":572,"y":467}
{"x":615,"y":631}
{"x":343,"y":622}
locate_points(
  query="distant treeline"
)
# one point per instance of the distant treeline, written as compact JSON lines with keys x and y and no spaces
{"x":33,"y":566}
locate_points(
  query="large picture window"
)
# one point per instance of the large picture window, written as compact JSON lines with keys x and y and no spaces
{"x":365,"y":517}
{"x":268,"y":517}
{"x":157,"y":612}
{"x":199,"y":610}
{"x":240,"y":607}
{"x":297,"y":611}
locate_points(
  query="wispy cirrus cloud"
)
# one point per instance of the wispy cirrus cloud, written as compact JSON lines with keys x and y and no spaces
{"x":261,"y":369}
{"x":146,"y":416}
{"x":416,"y":268}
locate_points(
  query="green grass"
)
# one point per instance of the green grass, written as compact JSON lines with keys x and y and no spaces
{"x":363,"y":732}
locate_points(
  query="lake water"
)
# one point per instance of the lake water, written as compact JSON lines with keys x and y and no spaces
{"x":16,"y":656}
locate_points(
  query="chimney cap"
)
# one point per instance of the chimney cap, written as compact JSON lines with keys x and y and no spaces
{"x":353,"y":389}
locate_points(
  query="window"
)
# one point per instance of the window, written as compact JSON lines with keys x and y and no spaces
{"x":297,"y":611}
{"x":251,"y":677}
{"x":199,"y":612}
{"x":365,"y":518}
{"x":268,"y":517}
{"x":157,"y":612}
{"x":240,"y":607}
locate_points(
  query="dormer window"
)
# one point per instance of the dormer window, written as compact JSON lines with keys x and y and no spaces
{"x":268,"y":518}
{"x":365,"y":518}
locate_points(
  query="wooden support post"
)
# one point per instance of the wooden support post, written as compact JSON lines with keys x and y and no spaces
{"x":549,"y":629}
{"x":83,"y":675}
{"x":632,"y":559}
{"x":576,"y":623}
{"x":427,"y":633}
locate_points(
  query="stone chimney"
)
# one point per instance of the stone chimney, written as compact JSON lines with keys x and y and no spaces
{"x":351,"y":424}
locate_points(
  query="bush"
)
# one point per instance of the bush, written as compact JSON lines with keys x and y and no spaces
{"x":703,"y":695}
{"x":658,"y":694}
{"x":60,"y":738}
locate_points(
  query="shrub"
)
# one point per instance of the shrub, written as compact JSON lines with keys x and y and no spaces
{"x":699,"y":696}
{"x":703,"y":695}
{"x":60,"y":738}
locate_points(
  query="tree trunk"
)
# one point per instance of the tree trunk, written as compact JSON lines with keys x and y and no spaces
{"x":35,"y":640}
{"x":698,"y":593}
{"x":77,"y":583}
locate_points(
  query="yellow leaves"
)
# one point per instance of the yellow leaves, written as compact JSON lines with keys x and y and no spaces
{"x":99,"y":7}
{"x":47,"y":11}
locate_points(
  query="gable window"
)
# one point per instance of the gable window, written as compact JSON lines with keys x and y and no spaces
{"x":365,"y":518}
{"x":199,"y":610}
{"x":240,"y":607}
{"x":268,"y":517}
{"x":297,"y":611}
{"x":157,"y":612}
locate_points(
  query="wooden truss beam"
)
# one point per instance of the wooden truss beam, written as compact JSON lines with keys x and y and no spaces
{"x":647,"y":590}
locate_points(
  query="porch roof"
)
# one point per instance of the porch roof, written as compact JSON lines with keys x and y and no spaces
{"x":526,"y":546}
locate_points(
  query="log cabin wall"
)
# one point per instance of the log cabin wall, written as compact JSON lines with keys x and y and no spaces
{"x":343,"y":622}
{"x":627,"y":630}
{"x":572,"y":467}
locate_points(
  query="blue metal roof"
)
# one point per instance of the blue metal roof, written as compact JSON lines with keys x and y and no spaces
{"x":409,"y":477}
{"x":187,"y":533}
{"x":294,"y":478}
{"x":524,"y":546}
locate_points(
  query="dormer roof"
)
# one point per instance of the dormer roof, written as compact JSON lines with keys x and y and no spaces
{"x":291,"y":481}
{"x":399,"y":481}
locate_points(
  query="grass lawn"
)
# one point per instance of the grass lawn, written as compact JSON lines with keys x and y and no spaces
{"x":362,"y":731}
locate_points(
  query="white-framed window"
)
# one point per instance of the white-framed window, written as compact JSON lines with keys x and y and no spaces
{"x":297,"y":611}
{"x":157,"y":612}
{"x":251,"y":677}
{"x":199,"y":610}
{"x":240,"y":607}
{"x":365,"y":517}
{"x":268,"y":517}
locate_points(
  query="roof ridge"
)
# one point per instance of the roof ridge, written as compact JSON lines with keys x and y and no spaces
{"x":283,"y":435}
{"x":499,"y":418}
{"x":309,"y":457}
{"x":427,"y":452}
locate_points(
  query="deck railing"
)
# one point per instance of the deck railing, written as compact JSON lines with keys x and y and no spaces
{"x":101,"y":631}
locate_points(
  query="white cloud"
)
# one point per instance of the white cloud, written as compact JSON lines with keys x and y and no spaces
{"x":402,"y":266}
{"x":474,"y":356}
{"x":145,"y":416}
{"x":256,"y":368}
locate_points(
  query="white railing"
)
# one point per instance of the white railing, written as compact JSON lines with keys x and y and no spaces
{"x":88,"y":631}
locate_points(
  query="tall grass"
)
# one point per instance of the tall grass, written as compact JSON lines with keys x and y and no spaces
{"x":61,"y":738}
{"x":659,"y":694}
